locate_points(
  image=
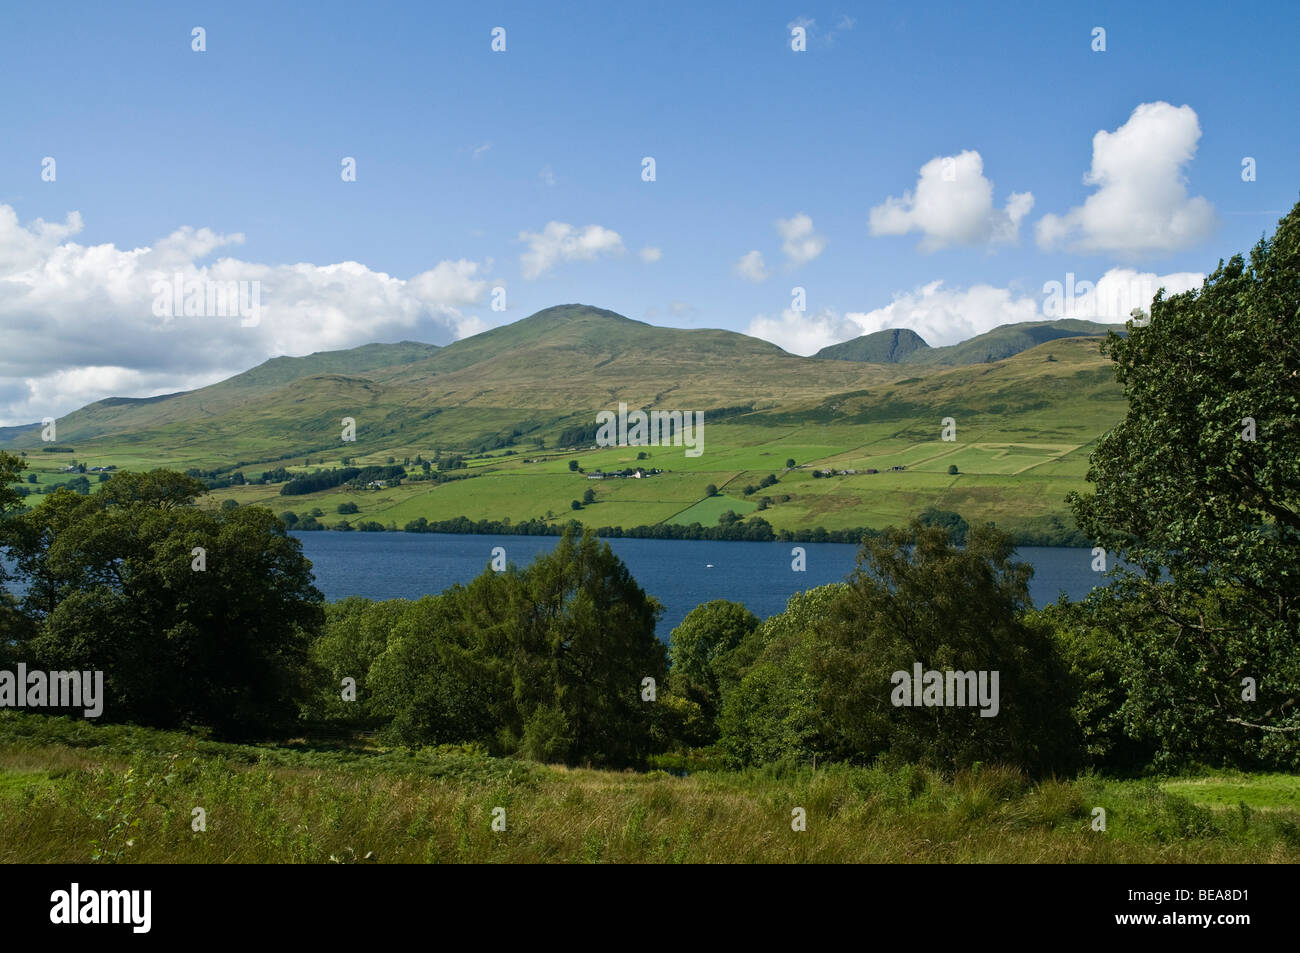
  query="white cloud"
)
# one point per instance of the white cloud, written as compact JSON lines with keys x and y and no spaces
{"x":944,"y":316}
{"x":751,"y":267}
{"x":800,"y":332}
{"x":26,"y":247}
{"x":481,"y":150}
{"x":952,"y":205}
{"x":547,"y":175}
{"x":949,"y":316}
{"x":559,"y":242}
{"x":1114,"y":295}
{"x":799,"y":242}
{"x":650,"y":254}
{"x":79,"y":322}
{"x":1141,"y":204}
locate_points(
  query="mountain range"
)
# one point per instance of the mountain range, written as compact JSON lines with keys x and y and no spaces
{"x":1028,"y":400}
{"x":561,"y":357}
{"x":902,"y":346}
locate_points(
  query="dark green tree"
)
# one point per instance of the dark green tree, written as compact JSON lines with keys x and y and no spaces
{"x":1202,"y":478}
{"x":547,"y":661}
{"x":115,"y":583}
{"x":917,"y":597}
{"x":433,"y":681}
{"x":579,"y":648}
{"x":769,"y":702}
{"x":15,"y":628}
{"x":956,"y":526}
{"x":709,"y":632}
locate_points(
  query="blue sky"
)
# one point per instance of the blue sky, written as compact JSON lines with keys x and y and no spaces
{"x":464,"y":156}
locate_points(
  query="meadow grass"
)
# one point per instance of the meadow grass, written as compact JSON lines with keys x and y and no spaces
{"x":73,"y":792}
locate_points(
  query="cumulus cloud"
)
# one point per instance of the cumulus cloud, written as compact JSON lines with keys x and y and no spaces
{"x":799,"y":243}
{"x":802,"y":333}
{"x":945,"y":316}
{"x":650,"y":254}
{"x":1113,"y":296}
{"x":751,"y":267}
{"x":559,"y":242}
{"x":952,"y":204}
{"x":1141,"y":205}
{"x":83,"y":322}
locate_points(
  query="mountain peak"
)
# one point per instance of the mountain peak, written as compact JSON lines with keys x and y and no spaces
{"x":890,"y":346}
{"x":901,"y":346}
{"x":568,"y":313}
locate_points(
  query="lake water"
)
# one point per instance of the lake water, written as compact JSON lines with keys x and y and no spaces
{"x":679,"y":573}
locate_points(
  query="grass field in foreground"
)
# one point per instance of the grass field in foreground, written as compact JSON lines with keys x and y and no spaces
{"x":69,"y":789}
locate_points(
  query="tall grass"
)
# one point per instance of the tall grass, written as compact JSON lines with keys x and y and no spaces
{"x":70,"y":792}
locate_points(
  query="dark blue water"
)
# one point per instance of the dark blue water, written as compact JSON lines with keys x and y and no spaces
{"x":679,"y":573}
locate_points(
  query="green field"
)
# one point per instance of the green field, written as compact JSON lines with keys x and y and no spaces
{"x":1025,"y":426}
{"x":72,"y":792}
{"x":1267,"y":792}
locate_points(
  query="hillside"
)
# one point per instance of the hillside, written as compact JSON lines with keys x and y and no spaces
{"x":906,"y":347}
{"x":881,"y":347}
{"x":503,"y":399}
{"x":552,"y":370}
{"x":122,"y":416}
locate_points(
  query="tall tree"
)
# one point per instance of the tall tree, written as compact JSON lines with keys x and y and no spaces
{"x":916,"y":597}
{"x":587,"y":631}
{"x":708,"y":633}
{"x":1202,"y":478}
{"x":15,"y":628}
{"x":195,"y":616}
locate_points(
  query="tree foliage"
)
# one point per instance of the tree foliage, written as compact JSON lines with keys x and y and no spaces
{"x":707,"y":634}
{"x":820,"y":680}
{"x":111,"y":586}
{"x":1199,"y":488}
{"x":546,"y":661}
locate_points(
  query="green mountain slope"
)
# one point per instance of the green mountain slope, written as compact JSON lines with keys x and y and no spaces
{"x":1008,"y":340}
{"x":504,"y":398}
{"x":881,"y":347}
{"x":901,"y":346}
{"x":122,"y":416}
{"x":551,"y":370}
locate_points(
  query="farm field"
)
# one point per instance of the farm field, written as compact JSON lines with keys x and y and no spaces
{"x":1023,"y":429}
